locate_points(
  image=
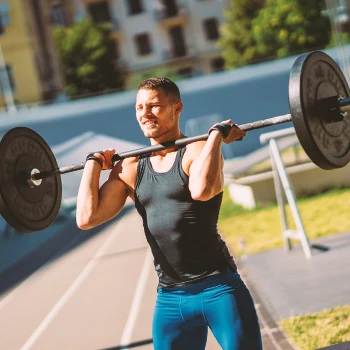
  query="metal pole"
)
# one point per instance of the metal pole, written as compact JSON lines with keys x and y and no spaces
{"x":290,"y":197}
{"x":280,"y":202}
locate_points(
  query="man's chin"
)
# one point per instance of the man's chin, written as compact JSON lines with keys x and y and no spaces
{"x":151,"y":133}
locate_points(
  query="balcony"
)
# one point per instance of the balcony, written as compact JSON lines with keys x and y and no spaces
{"x":170,"y":15}
{"x":115,"y":24}
{"x":177,"y":53}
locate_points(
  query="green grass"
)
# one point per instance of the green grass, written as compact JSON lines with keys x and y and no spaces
{"x":290,"y":156}
{"x":314,"y":331}
{"x":322,"y":215}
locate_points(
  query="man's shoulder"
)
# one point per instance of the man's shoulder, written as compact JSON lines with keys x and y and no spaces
{"x":126,"y":166}
{"x":194,"y":148}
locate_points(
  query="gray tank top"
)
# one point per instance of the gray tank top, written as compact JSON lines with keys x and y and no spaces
{"x":181,"y":232}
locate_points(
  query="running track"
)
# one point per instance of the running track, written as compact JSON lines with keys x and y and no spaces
{"x":99,"y":295}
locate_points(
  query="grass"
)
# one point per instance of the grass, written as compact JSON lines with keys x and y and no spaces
{"x":314,"y":331}
{"x":322,"y":215}
{"x":290,"y":156}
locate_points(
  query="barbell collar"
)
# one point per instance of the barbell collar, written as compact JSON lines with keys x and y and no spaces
{"x":60,"y":171}
{"x":344,"y":105}
{"x":266,"y":122}
{"x":31,"y":180}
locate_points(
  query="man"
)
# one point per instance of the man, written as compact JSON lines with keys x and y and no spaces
{"x":178,"y":194}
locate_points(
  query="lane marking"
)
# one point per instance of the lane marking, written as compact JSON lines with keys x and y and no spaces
{"x":4,"y":301}
{"x":70,"y":291}
{"x":135,"y":306}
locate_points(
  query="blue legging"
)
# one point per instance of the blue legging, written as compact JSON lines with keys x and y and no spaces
{"x":221,"y":302}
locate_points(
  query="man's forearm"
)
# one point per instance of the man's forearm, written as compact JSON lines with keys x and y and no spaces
{"x":88,"y":194}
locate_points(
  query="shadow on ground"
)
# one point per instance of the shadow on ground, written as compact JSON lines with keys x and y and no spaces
{"x":67,"y":238}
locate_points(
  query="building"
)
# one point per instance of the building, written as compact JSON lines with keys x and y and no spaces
{"x":178,"y":35}
{"x":32,"y":69}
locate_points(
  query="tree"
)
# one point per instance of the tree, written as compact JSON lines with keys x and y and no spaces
{"x":137,"y":78}
{"x":88,"y":56}
{"x":237,"y":41}
{"x":287,"y":27}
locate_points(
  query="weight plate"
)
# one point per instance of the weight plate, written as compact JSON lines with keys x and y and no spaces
{"x":314,"y":77}
{"x":27,"y":208}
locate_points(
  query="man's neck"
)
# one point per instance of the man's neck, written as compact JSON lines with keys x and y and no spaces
{"x":164,"y":139}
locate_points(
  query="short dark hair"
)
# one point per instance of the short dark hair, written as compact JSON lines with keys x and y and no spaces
{"x":168,"y":86}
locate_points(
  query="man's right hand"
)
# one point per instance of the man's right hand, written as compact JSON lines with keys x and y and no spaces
{"x":104,"y":158}
{"x":108,"y":155}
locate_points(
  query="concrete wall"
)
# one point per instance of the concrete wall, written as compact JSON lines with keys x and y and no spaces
{"x":305,"y":179}
{"x":247,"y":94}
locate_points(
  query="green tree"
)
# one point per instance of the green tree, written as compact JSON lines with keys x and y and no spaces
{"x":237,"y":41}
{"x":137,"y":78}
{"x":88,"y":56}
{"x":287,"y":27}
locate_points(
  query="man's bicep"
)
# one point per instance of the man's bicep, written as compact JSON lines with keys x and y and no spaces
{"x":193,"y":153}
{"x":112,"y":197}
{"x":205,"y":178}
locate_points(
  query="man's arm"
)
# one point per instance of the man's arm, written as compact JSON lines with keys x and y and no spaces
{"x":206,"y":178}
{"x":96,"y":206}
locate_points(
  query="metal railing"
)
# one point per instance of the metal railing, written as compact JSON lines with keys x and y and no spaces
{"x":285,"y":191}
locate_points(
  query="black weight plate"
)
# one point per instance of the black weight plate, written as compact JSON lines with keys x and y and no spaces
{"x":27,"y":208}
{"x":314,"y":77}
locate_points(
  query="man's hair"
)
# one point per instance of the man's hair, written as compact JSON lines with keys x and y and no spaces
{"x":168,"y":86}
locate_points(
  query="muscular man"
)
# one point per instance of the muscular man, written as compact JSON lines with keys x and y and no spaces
{"x":178,"y":194}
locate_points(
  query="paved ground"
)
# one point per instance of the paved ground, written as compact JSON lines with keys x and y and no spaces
{"x":96,"y":292}
{"x":294,"y":285}
{"x":97,"y":288}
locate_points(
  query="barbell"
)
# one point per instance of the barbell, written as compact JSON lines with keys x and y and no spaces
{"x":30,"y":182}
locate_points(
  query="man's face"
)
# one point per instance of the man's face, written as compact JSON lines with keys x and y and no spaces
{"x":156,"y":113}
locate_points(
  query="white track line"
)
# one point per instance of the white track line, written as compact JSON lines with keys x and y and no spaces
{"x":65,"y":297}
{"x":135,"y":306}
{"x":6,"y":300}
{"x":10,"y":296}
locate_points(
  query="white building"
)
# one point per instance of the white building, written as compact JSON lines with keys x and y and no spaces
{"x":180,"y":35}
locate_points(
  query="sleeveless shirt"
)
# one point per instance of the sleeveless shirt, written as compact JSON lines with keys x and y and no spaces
{"x":182,"y":232}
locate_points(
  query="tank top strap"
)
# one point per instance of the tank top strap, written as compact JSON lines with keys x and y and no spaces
{"x":141,"y":164}
{"x":178,"y":167}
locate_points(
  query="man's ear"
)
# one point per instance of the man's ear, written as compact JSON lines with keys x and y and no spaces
{"x":178,"y":107}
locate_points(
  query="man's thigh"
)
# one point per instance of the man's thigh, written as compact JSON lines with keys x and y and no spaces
{"x":171,"y":331}
{"x":231,"y":315}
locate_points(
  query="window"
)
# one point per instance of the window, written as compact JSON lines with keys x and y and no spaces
{"x":211,"y":28}
{"x":186,"y":72}
{"x":58,"y":16}
{"x":99,"y":12}
{"x":4,"y":16}
{"x":116,"y":49}
{"x":217,"y":64}
{"x":135,"y":6}
{"x":177,"y":39}
{"x":143,"y":44}
{"x":6,"y":76}
{"x":171,"y":9}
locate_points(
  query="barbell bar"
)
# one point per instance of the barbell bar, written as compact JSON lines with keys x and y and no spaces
{"x":35,"y":175}
{"x":319,"y":99}
{"x":342,"y":105}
